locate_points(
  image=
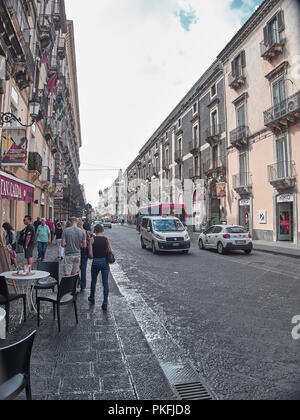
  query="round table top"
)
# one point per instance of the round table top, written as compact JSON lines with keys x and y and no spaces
{"x":2,"y":314}
{"x":38,"y":275}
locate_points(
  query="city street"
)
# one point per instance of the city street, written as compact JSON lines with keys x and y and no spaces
{"x":229,"y":317}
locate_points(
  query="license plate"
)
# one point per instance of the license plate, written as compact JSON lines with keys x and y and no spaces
{"x":240,"y":242}
{"x":176,"y":244}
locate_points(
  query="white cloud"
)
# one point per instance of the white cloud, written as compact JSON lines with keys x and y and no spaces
{"x":135,"y":63}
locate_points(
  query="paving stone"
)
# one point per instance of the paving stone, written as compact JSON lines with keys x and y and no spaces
{"x":116,"y":382}
{"x":80,"y":385}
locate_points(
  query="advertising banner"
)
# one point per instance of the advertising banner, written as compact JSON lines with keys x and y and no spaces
{"x":221,"y":190}
{"x":59,"y":192}
{"x":14,"y":190}
{"x":13,"y":147}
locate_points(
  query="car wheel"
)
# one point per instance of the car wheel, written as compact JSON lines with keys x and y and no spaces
{"x":221,"y":249}
{"x":153,"y":248}
{"x":201,"y":244}
{"x":248,"y":251}
{"x":143,"y":243}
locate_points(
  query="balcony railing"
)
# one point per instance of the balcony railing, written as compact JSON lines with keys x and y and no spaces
{"x":47,"y":29}
{"x":239,"y":136}
{"x":272,"y":49}
{"x":282,"y":174}
{"x":20,"y":14}
{"x":286,"y":112}
{"x":35,"y":162}
{"x":217,"y":166}
{"x":213,"y":134}
{"x":242,"y":183}
{"x":237,"y":81}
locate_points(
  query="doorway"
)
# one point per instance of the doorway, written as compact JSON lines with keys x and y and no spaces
{"x":285,"y":222}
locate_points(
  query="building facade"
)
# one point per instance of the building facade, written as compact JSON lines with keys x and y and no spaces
{"x":38,"y":69}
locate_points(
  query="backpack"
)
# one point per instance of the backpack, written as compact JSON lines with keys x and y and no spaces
{"x":21,"y":240}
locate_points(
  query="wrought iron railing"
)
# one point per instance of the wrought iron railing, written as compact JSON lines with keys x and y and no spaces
{"x":284,"y":108}
{"x":214,"y":131}
{"x":214,"y":164}
{"x":243,"y":179}
{"x":281,"y":170}
{"x":240,"y":133}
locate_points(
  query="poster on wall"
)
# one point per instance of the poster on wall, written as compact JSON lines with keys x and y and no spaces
{"x":221,"y":190}
{"x":13,"y":147}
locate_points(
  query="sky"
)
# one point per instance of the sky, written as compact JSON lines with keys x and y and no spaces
{"x":136,"y":60}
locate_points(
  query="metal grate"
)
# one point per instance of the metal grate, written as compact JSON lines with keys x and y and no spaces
{"x":193,"y":391}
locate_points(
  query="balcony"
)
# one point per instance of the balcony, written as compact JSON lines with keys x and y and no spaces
{"x":194,"y":147}
{"x":35,"y":162}
{"x":61,"y":48}
{"x":284,"y":114}
{"x":53,"y":65}
{"x":282,"y":175}
{"x":47,"y":30}
{"x":213,"y":134}
{"x":237,"y":81}
{"x":242,"y":183}
{"x":272,"y":49}
{"x":215,"y":168}
{"x":50,"y":129}
{"x":178,"y":156}
{"x":239,"y":137}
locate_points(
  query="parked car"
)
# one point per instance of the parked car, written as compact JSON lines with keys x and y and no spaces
{"x":107,"y":224}
{"x":163,"y":234}
{"x":226,"y":238}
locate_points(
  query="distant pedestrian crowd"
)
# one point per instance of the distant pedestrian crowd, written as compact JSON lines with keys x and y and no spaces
{"x":75,"y":246}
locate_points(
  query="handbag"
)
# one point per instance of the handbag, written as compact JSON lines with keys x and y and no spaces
{"x":110,"y":256}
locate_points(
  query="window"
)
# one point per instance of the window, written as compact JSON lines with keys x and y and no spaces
{"x":195,"y":108}
{"x":179,"y":123}
{"x":282,"y":157}
{"x":14,"y":95}
{"x":144,"y":223}
{"x":215,"y":157}
{"x":213,"y":91}
{"x":272,"y":31}
{"x":241,"y":116}
{"x":180,"y":147}
{"x":196,"y":132}
{"x":218,"y":229}
{"x":243,"y":169}
{"x":180,"y":172}
{"x":238,"y":64}
{"x":167,"y":157}
{"x":214,"y":122}
{"x":196,"y":166}
{"x":279,"y":97}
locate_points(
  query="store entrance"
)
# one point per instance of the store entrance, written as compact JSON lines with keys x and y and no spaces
{"x":245,"y":216}
{"x":285,"y":222}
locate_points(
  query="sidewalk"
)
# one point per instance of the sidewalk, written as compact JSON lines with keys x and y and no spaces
{"x":105,"y":357}
{"x":277,"y":248}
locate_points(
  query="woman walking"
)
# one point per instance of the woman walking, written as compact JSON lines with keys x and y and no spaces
{"x":58,"y":237}
{"x":98,"y":248}
{"x":11,"y":243}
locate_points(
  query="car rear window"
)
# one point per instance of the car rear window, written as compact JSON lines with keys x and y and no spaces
{"x":236,"y":229}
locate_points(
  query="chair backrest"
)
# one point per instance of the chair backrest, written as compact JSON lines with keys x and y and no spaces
{"x":3,"y":287}
{"x":50,"y":267}
{"x":15,"y":359}
{"x":67,"y":286}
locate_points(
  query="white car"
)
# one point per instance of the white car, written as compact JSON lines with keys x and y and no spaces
{"x":226,"y":238}
{"x":163,"y":234}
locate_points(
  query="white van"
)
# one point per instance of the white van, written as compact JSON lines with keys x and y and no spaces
{"x":164,"y":234}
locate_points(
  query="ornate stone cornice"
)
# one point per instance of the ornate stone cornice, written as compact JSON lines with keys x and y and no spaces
{"x":279,"y":70}
{"x":249,"y":27}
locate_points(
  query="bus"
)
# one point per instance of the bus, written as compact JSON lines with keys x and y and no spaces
{"x":176,"y":210}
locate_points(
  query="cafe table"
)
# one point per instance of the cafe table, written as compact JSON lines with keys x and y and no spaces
{"x":25,"y":284}
{"x":2,"y":324}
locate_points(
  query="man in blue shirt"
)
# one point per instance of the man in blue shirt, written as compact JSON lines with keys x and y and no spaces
{"x":43,"y":237}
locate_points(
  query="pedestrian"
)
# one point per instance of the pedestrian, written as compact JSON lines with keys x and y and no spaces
{"x":43,"y":238}
{"x":11,"y":243}
{"x":29,"y":240}
{"x":51,"y":226}
{"x":73,"y":239}
{"x":58,"y":237}
{"x":37,"y":223}
{"x":99,"y":247}
{"x":87,"y":225}
{"x":84,"y":260}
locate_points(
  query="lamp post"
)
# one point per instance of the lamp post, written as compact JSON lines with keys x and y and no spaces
{"x":8,"y":117}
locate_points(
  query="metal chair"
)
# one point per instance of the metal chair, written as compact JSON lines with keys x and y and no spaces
{"x":53,"y":269}
{"x":6,"y":298}
{"x":66,"y":294}
{"x":15,"y":369}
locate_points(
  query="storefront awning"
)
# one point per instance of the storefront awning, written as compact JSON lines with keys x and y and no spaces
{"x":12,"y":188}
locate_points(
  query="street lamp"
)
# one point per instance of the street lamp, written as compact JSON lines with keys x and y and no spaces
{"x":8,"y":117}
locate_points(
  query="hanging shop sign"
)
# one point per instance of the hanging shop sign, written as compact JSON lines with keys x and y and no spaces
{"x":221,"y":190}
{"x":285,"y":198}
{"x":59,"y":192}
{"x":13,"y":147}
{"x":13,"y":189}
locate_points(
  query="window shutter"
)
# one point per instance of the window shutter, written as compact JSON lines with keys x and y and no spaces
{"x":266,"y":35}
{"x":280,"y":20}
{"x":243,"y":58}
{"x":233,"y":68}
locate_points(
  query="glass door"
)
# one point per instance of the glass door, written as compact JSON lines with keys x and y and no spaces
{"x":243,"y":169}
{"x":282,"y":158}
{"x":285,"y":215}
{"x":279,"y":98}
